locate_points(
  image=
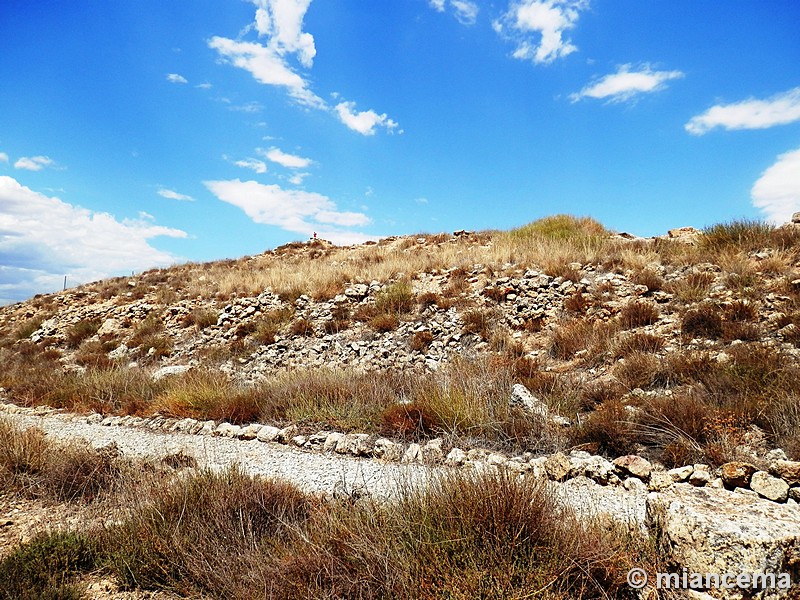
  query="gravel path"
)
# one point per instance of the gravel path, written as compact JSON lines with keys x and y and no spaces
{"x":311,"y":471}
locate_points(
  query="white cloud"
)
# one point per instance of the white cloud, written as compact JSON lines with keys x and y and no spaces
{"x":547,"y":20}
{"x":43,"y":238}
{"x":297,"y":178}
{"x":363,"y":122}
{"x":779,"y":109}
{"x":626,"y":84}
{"x":293,"y":210}
{"x":465,"y":11}
{"x":175,"y":78}
{"x":421,"y":200}
{"x":34,"y":163}
{"x":777,"y":191}
{"x":3,"y":157}
{"x":172,"y":195}
{"x":267,"y":66}
{"x":252,"y":163}
{"x":204,"y":86}
{"x":290,"y":161}
{"x":281,"y":21}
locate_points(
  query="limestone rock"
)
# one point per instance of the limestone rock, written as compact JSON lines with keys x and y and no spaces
{"x":681,"y":474}
{"x":634,"y":465}
{"x":659,"y":480}
{"x":286,"y":434}
{"x":769,"y":487}
{"x":456,"y":457}
{"x":332,"y":440}
{"x":412,"y":454}
{"x":557,"y":466}
{"x":267,"y":433}
{"x":520,"y":396}
{"x":170,"y":370}
{"x":701,"y":475}
{"x":716,"y":531}
{"x":737,"y":474}
{"x":249,"y":432}
{"x":432,"y":452}
{"x":387,"y":450}
{"x":788,"y":470}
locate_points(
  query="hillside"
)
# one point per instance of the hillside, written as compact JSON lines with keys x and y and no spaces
{"x":682,"y":347}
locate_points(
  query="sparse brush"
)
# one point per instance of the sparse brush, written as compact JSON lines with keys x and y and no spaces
{"x":648,"y":278}
{"x":742,"y":235}
{"x":201,"y":318}
{"x":582,"y":335}
{"x":421,"y":341}
{"x":28,"y":327}
{"x":81,"y":330}
{"x":638,"y":370}
{"x":638,"y":313}
{"x":302,"y":327}
{"x":740,"y":310}
{"x":693,"y":287}
{"x":204,"y":394}
{"x":48,"y":566}
{"x":576,"y":303}
{"x":703,"y":321}
{"x":480,"y":322}
{"x":396,"y":298}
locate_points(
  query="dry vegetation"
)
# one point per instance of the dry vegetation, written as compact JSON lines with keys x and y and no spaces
{"x":709,"y":337}
{"x":461,"y":536}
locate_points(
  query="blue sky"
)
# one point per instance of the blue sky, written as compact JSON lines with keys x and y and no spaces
{"x":141,"y":134}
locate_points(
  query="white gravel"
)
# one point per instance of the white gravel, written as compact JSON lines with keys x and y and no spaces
{"x":311,"y":471}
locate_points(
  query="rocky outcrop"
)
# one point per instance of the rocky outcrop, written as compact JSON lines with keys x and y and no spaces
{"x":706,"y":530}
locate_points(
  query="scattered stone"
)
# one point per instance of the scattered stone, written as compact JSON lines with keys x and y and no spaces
{"x":769,"y":487}
{"x":455,"y":458}
{"x":788,"y":470}
{"x":171,"y":370}
{"x":286,"y":434}
{"x":737,"y":474}
{"x":388,"y":450}
{"x":681,"y":474}
{"x":701,"y":475}
{"x":412,"y":454}
{"x":432,"y":452}
{"x":557,"y":466}
{"x":268,"y":433}
{"x":633,"y":465}
{"x":659,"y":480}
{"x":332,"y":441}
{"x":250,"y":432}
{"x":227,"y":430}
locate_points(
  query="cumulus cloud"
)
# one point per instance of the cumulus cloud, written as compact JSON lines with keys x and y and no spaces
{"x":777,"y":191}
{"x":779,"y":109}
{"x":626,"y":84}
{"x":363,"y":122}
{"x":43,"y":238}
{"x":34,"y":163}
{"x":267,"y":66}
{"x":175,"y":78}
{"x":297,"y":178}
{"x":297,"y":211}
{"x":252,"y":163}
{"x":3,"y":157}
{"x":290,"y":161}
{"x":465,"y":11}
{"x":172,"y":195}
{"x":538,"y":28}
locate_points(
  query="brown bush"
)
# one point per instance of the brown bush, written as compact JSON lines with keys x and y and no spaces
{"x":740,"y":310}
{"x":334,"y":326}
{"x":737,"y":330}
{"x":638,"y":370}
{"x":638,"y":341}
{"x":408,"y":421}
{"x":303,"y":327}
{"x":384,"y":322}
{"x":428,"y":299}
{"x":576,"y":303}
{"x":81,"y":330}
{"x":201,"y":318}
{"x":638,"y":314}
{"x":611,"y":427}
{"x":649,"y":278}
{"x":703,"y":321}
{"x":693,"y":287}
{"x":396,"y":298}
{"x":420,"y":341}
{"x":480,"y":322}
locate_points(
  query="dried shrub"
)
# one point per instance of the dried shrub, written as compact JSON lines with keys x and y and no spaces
{"x":737,"y":235}
{"x":648,"y":278}
{"x":384,"y":322}
{"x":703,"y":321}
{"x":201,"y":394}
{"x":638,"y":370}
{"x":457,"y":284}
{"x":421,"y":341}
{"x":579,"y":335}
{"x":611,"y":428}
{"x":396,"y":298}
{"x":28,"y":327}
{"x":599,"y":392}
{"x":365,"y":312}
{"x":638,"y":314}
{"x":94,"y":353}
{"x":201,"y":318}
{"x":498,"y":294}
{"x":693,"y":287}
{"x":77,"y":332}
{"x":428,"y":299}
{"x":737,"y":330}
{"x":480,"y":322}
{"x":302,"y":327}
{"x":334,"y":326}
{"x":638,"y":341}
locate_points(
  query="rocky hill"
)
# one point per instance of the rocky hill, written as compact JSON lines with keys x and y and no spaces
{"x":559,"y":349}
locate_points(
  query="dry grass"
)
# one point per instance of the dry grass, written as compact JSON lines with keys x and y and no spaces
{"x":638,"y":313}
{"x":693,"y":287}
{"x":463,"y":536}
